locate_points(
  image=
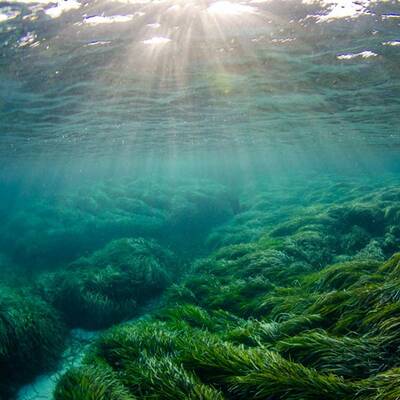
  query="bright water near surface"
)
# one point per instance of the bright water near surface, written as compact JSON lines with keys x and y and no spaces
{"x":199,"y":199}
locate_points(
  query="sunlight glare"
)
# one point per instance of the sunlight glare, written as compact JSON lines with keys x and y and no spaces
{"x":228,"y":8}
{"x":157,"y":40}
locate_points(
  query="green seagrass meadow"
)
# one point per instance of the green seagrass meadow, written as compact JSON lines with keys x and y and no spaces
{"x":205,"y":293}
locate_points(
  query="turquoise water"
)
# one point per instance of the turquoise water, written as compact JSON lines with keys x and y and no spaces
{"x":199,"y":199}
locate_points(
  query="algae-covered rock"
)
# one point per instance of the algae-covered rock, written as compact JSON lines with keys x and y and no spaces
{"x":91,"y":383}
{"x":74,"y":223}
{"x":367,"y":216}
{"x":31,"y":337}
{"x":111,"y":284}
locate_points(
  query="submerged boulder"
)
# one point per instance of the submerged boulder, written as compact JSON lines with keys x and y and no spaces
{"x":109,"y":285}
{"x":74,"y":223}
{"x":31,"y":338}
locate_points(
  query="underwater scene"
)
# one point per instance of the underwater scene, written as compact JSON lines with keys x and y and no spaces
{"x":200,"y":199}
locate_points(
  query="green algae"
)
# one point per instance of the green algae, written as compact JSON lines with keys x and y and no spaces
{"x":306,"y":306}
{"x":111,"y":284}
{"x":91,"y":384}
{"x":85,"y":220}
{"x":31,"y":337}
{"x":309,"y":310}
{"x":286,"y":357}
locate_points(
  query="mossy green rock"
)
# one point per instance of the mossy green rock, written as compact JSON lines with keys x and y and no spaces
{"x":31,"y":337}
{"x":111,"y":284}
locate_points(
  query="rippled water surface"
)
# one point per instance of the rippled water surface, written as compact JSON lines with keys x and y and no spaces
{"x":82,"y":78}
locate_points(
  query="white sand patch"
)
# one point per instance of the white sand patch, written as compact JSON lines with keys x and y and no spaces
{"x":43,"y":386}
